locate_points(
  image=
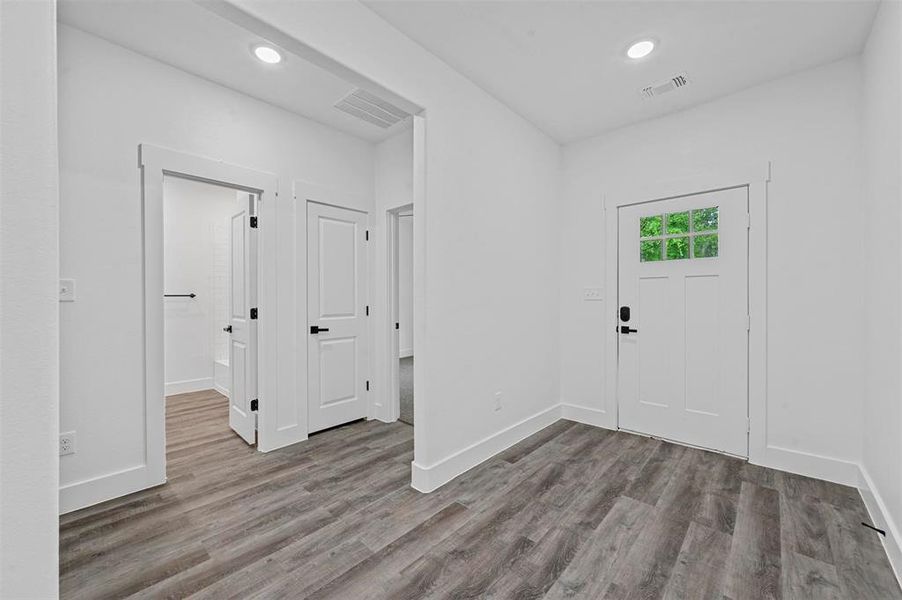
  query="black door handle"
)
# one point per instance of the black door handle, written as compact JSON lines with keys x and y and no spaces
{"x":227,"y":329}
{"x":627,"y":329}
{"x":317,"y":329}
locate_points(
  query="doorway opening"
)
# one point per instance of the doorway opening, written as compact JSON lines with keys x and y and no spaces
{"x":209,"y":314}
{"x":400,"y":226}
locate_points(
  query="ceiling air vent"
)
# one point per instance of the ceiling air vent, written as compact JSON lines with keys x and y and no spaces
{"x":674,"y":83}
{"x":371,"y":108}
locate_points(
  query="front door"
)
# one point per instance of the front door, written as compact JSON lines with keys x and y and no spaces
{"x":336,"y":306}
{"x":683,"y":319}
{"x":242,"y":327}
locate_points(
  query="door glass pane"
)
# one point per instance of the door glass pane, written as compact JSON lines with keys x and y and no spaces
{"x":650,"y":250}
{"x":650,"y":226}
{"x":705,"y":246}
{"x":677,"y":248}
{"x":704,"y":219}
{"x":678,"y":222}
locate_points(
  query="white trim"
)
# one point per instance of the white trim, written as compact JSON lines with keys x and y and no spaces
{"x":221,"y":389}
{"x":189,"y":385}
{"x":589,"y":416}
{"x":405,"y":353}
{"x":755,"y":178}
{"x":81,"y":494}
{"x":881,"y":518}
{"x":154,"y":163}
{"x":430,"y":478}
{"x":808,"y":464}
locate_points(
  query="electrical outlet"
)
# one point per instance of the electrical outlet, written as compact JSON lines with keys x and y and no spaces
{"x":67,"y":443}
{"x":497,"y":401}
{"x":592,"y":293}
{"x":67,"y":290}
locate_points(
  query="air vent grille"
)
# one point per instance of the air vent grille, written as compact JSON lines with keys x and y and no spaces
{"x":674,"y":83}
{"x":371,"y":108}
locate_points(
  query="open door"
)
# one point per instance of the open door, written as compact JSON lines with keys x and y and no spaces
{"x":336,"y":305}
{"x":242,"y":319}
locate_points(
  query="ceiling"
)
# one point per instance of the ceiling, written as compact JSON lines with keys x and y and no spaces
{"x":562,"y":65}
{"x":187,"y":36}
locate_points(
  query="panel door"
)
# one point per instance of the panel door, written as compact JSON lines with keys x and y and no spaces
{"x":243,"y":329}
{"x":336,"y":306}
{"x":683,"y":319}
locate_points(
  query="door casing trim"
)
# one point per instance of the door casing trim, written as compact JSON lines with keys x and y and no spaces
{"x":755,"y":178}
{"x":155,"y":163}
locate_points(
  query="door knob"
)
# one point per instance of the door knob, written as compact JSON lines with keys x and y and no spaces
{"x":316,"y":329}
{"x":627,"y":329}
{"x":227,"y":329}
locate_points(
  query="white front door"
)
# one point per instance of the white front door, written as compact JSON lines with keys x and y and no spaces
{"x":243,"y":328}
{"x":683,"y":319}
{"x":336,"y":307}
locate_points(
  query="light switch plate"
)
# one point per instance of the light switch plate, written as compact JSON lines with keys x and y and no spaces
{"x":592,"y":293}
{"x":67,"y":290}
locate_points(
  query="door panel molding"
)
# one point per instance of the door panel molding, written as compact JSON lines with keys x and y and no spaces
{"x":755,"y":178}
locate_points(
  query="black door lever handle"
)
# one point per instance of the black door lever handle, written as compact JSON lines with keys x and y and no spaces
{"x":317,"y":329}
{"x":627,"y":329}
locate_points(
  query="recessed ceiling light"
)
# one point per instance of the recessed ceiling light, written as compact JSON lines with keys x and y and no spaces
{"x":268,"y":54}
{"x":640,"y":49}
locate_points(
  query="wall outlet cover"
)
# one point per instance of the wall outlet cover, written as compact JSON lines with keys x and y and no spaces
{"x":67,"y":290}
{"x":592,"y":293}
{"x":67,"y":443}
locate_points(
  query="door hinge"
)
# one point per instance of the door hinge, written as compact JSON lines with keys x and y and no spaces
{"x":367,"y":235}
{"x":367,"y":310}
{"x":748,"y":425}
{"x":253,"y":222}
{"x":254,"y":404}
{"x":253,"y":313}
{"x":748,"y":322}
{"x":367,"y":385}
{"x":748,"y":220}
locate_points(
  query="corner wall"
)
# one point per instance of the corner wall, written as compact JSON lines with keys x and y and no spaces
{"x":808,"y":125}
{"x":29,"y":301}
{"x":882,"y":307}
{"x":491,"y":226}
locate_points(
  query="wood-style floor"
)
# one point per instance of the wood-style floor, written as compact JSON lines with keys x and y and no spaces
{"x":571,"y":512}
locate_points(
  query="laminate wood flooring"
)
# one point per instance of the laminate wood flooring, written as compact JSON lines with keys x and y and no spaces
{"x":571,"y":512}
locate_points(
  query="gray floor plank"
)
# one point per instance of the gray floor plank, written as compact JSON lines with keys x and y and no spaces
{"x":571,"y":512}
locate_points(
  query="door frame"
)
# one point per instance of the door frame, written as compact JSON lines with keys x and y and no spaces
{"x":154,"y":164}
{"x":755,"y":178}
{"x":392,"y":315}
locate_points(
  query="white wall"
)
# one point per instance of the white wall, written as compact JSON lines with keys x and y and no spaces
{"x":196,"y":218}
{"x":490,"y":241}
{"x":882,"y":209}
{"x":29,"y":307}
{"x":808,"y":125}
{"x":405,"y":284}
{"x":111,"y":100}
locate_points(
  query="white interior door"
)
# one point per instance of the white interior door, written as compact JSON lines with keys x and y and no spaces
{"x":683,"y":319}
{"x":336,"y":306}
{"x":242,"y":327}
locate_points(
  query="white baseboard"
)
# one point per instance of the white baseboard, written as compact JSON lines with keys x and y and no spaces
{"x":189,"y":385}
{"x":811,"y":465}
{"x":589,"y":416}
{"x":429,"y":478}
{"x":405,"y":353}
{"x":99,"y":489}
{"x":881,"y":518}
{"x":222,"y":390}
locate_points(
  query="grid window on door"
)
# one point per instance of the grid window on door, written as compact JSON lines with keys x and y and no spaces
{"x":676,"y":236}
